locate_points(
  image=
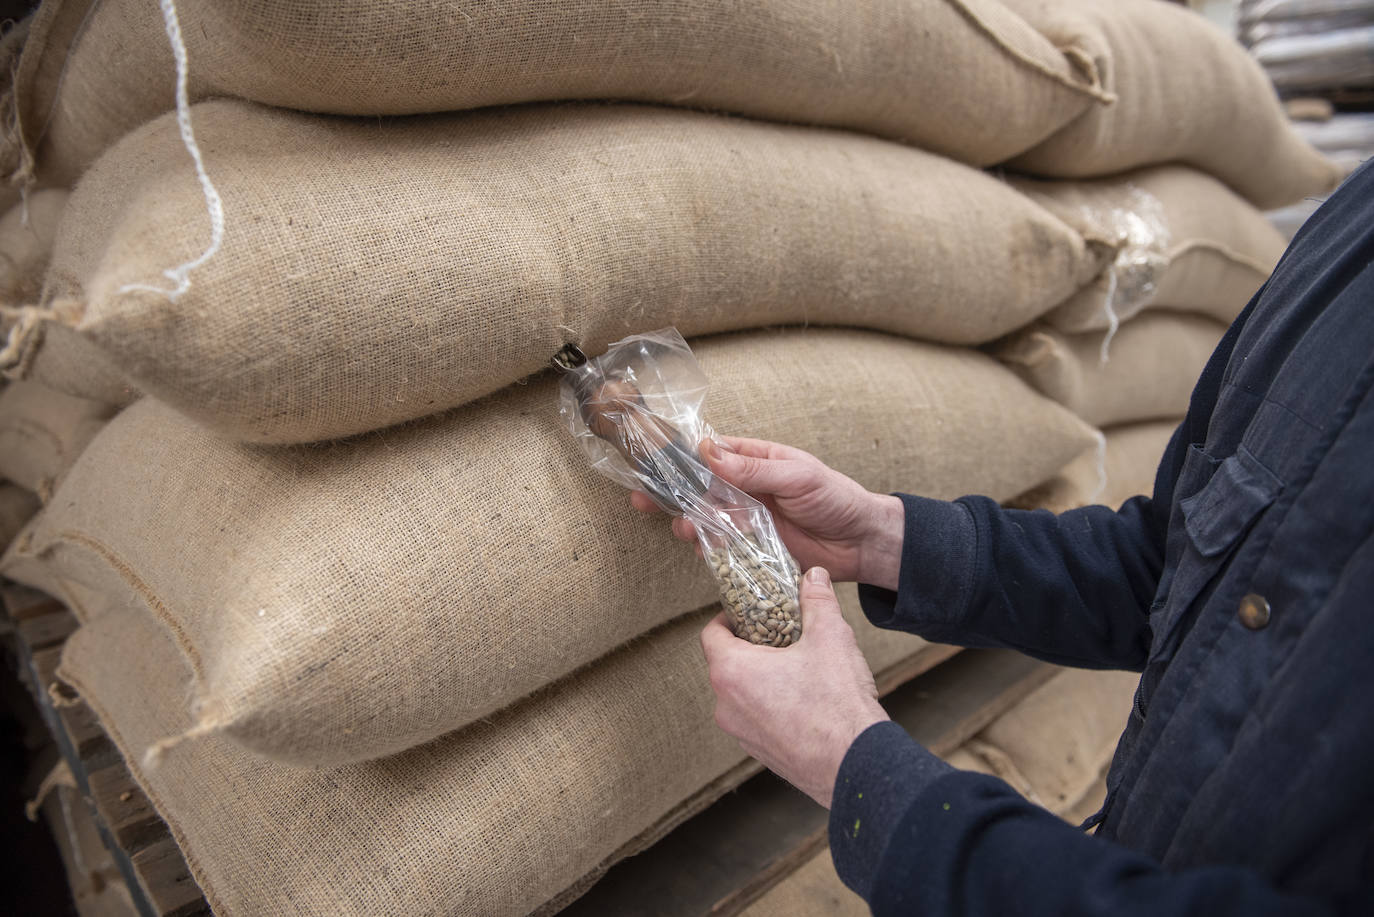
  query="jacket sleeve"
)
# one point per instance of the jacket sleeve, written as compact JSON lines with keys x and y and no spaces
{"x":912,"y":835}
{"x":1073,"y":589}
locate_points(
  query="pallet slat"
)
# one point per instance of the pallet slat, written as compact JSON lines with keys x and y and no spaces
{"x":720,"y":861}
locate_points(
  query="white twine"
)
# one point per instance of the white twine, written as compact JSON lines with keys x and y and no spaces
{"x":180,"y":275}
{"x":1113,"y":322}
{"x":1101,"y":467}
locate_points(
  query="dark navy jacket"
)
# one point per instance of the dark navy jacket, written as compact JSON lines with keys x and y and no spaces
{"x":1243,"y":590}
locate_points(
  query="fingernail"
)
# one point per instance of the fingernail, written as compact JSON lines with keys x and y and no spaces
{"x":711,"y":450}
{"x":818,"y":576}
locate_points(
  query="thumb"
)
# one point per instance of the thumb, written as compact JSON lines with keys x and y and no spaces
{"x":753,"y":474}
{"x":818,"y":601}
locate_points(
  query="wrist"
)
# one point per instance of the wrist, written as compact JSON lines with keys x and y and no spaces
{"x":880,"y":552}
{"x":841,"y":741}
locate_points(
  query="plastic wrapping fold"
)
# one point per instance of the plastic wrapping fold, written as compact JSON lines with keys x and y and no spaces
{"x":636,"y":413}
{"x":1135,"y":226}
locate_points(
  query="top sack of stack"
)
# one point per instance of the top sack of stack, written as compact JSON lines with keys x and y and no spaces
{"x":1118,"y":85}
{"x":1185,"y":92}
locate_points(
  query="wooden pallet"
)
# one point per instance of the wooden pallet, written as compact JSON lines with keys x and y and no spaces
{"x":717,"y":861}
{"x":724,"y":859}
{"x":149,"y":861}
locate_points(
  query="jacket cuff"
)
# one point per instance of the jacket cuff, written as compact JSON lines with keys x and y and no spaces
{"x":880,"y":777}
{"x":935,"y":583}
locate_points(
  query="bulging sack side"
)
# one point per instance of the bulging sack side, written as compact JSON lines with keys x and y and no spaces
{"x":1145,"y":372}
{"x":1185,"y":92}
{"x":1123,"y":465}
{"x":514,"y":815}
{"x":910,"y":70}
{"x":346,"y":601}
{"x":17,"y":507}
{"x":1180,"y":240}
{"x":371,"y":274}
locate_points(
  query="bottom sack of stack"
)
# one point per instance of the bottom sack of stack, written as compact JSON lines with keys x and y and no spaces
{"x":512,"y":815}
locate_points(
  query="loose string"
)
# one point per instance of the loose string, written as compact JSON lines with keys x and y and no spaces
{"x":180,"y":275}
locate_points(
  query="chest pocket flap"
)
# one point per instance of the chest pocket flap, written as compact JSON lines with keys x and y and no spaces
{"x":1240,"y":489}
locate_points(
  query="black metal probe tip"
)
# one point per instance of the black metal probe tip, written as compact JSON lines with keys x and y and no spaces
{"x":570,"y":357}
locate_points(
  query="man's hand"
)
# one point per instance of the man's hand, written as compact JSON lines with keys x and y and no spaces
{"x":824,"y":518}
{"x":796,"y":709}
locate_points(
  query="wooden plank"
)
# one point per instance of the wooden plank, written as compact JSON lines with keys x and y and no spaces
{"x":166,"y":882}
{"x":88,"y":741}
{"x":894,"y":676}
{"x":122,"y":806}
{"x":151,"y":865}
{"x":43,"y":668}
{"x":723,"y":859}
{"x":21,"y":602}
{"x":46,"y":630}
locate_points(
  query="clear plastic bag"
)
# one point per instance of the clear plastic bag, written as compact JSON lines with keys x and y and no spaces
{"x":636,"y":413}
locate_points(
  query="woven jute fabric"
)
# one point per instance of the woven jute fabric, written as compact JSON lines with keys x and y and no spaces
{"x":1123,"y":467}
{"x":346,"y":601}
{"x":1151,"y":366}
{"x":913,"y":71}
{"x":1185,"y":92}
{"x":501,"y":818}
{"x":39,"y":344}
{"x":1179,"y":238}
{"x":1054,"y":745}
{"x":372,"y":274}
{"x":42,"y":432}
{"x":11,"y":47}
{"x":26,"y":239}
{"x":17,"y":507}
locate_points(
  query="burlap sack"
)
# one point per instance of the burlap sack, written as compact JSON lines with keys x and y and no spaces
{"x":11,"y":46}
{"x":1124,"y":466}
{"x":347,"y":601}
{"x":1152,"y":365}
{"x":372,"y":274}
{"x":1054,"y":745}
{"x":1181,"y":239}
{"x":41,"y":346}
{"x":913,"y":71}
{"x":1186,"y":92}
{"x":17,"y":507}
{"x":516,"y":813}
{"x":42,"y":432}
{"x":26,"y":238}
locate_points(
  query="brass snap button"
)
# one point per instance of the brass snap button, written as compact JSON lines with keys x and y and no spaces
{"x":1254,"y":611}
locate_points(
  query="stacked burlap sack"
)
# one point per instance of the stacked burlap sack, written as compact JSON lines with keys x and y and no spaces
{"x":42,"y":430}
{"x":1053,"y":747}
{"x":1063,"y":88}
{"x":1125,"y":353}
{"x":341,"y":573}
